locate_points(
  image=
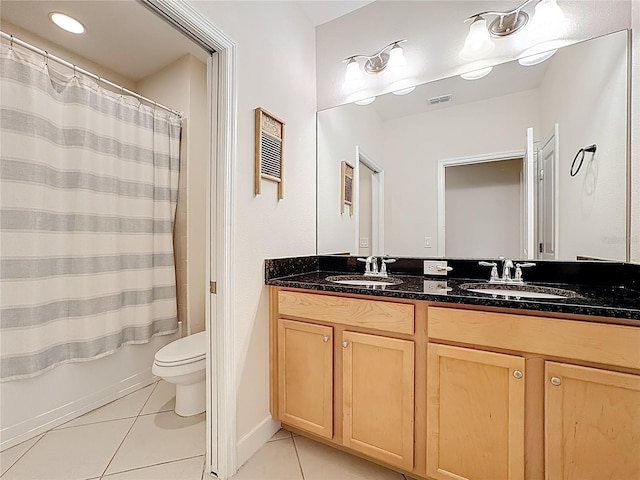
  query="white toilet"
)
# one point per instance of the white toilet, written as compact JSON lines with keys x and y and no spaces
{"x":182,"y":362}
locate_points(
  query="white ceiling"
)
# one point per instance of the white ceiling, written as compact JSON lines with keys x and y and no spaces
{"x":323,"y":11}
{"x":112,"y":27}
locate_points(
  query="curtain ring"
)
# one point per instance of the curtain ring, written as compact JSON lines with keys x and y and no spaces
{"x":74,"y":72}
{"x":46,"y":57}
{"x":11,"y":45}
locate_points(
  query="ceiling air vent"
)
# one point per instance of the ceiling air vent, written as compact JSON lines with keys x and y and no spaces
{"x":440,"y":99}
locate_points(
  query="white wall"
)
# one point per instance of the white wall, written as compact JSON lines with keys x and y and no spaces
{"x":275,"y":70}
{"x":635,"y":135}
{"x":592,"y":217}
{"x":339,"y":132}
{"x":483,"y":210}
{"x":182,"y":86}
{"x":417,"y":143}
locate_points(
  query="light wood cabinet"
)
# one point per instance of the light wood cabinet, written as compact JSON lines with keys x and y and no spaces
{"x":305,"y":376}
{"x":454,"y":393}
{"x":592,"y":424}
{"x":378,"y":390}
{"x":475,"y":414}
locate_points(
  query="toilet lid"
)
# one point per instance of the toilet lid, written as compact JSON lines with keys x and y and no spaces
{"x":189,"y":349}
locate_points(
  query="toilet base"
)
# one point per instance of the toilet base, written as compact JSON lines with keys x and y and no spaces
{"x":191,"y":399}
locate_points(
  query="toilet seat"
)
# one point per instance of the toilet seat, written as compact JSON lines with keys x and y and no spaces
{"x":186,"y":350}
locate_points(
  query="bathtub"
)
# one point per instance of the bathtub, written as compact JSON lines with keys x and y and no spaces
{"x":32,"y":406}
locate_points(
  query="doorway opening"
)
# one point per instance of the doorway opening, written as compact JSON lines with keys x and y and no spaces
{"x":369,"y":211}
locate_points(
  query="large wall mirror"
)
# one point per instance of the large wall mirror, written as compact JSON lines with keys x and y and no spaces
{"x":483,"y":168}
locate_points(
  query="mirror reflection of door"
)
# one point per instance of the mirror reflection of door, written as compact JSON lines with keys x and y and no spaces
{"x":365,"y":202}
{"x":482,"y":205}
{"x":547,"y":220}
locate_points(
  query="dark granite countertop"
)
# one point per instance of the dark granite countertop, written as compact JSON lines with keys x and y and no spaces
{"x":600,"y":300}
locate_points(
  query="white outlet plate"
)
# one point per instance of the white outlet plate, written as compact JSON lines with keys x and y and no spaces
{"x":436,"y":287}
{"x":364,"y":242}
{"x":428,"y":242}
{"x":435,"y":267}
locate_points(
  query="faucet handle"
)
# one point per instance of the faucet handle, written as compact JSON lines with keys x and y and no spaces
{"x":485,"y":264}
{"x":519,"y":266}
{"x":525,"y":265}
{"x":493,"y":278}
{"x":383,"y":264}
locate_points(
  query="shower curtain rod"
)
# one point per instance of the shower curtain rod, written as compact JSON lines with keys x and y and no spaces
{"x":47,"y":56}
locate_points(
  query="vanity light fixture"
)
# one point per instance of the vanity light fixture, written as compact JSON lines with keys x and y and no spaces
{"x":478,"y":44}
{"x":477,"y":74}
{"x":391,"y":55}
{"x":67,"y":23}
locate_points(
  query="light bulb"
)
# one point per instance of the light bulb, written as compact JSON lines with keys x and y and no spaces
{"x":67,"y":23}
{"x":396,"y":57}
{"x":478,"y":43}
{"x":476,"y":74}
{"x":354,"y":74}
{"x":549,"y":18}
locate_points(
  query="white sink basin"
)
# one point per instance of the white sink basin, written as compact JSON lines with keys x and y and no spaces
{"x":361,"y":281}
{"x":519,"y":291}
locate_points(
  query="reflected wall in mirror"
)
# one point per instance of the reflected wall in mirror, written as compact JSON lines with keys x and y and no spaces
{"x":486,"y":173}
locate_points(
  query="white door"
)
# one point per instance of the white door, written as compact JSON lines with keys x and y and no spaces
{"x":528,"y":197}
{"x":365,"y":202}
{"x":547,"y":197}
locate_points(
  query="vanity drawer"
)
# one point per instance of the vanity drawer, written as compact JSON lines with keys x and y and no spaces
{"x":376,"y":314}
{"x":592,"y":342}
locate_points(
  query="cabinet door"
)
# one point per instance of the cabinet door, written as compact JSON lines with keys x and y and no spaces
{"x":378,"y":389}
{"x":592,"y":424}
{"x":475,"y":414}
{"x":305,"y":376}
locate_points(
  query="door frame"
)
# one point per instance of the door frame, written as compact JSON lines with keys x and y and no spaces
{"x":221,"y":376}
{"x":377,"y":203}
{"x":456,"y":162}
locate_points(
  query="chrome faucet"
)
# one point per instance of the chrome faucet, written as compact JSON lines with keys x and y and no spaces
{"x":507,"y":266}
{"x":371,"y":266}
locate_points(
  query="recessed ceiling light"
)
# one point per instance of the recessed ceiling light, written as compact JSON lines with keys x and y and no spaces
{"x":404,"y":91}
{"x":365,"y":101}
{"x":476,"y":74}
{"x":535,"y":59}
{"x":67,"y":23}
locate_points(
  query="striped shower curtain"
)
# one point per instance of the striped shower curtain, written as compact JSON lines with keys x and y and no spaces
{"x":88,"y":190}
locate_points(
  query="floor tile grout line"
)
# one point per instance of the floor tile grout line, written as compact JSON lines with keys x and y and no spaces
{"x":149,"y":397}
{"x":119,"y":446}
{"x":25,"y":452}
{"x":57,"y":429}
{"x":152,"y":465}
{"x":295,"y":447}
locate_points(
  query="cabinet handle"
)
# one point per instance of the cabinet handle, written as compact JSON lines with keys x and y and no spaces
{"x":518,"y":374}
{"x":325,"y":339}
{"x":556,"y":381}
{"x":345,"y":344}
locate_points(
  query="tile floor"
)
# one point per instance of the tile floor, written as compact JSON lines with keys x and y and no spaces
{"x":139,"y":437}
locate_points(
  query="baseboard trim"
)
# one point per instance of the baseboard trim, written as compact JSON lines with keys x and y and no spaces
{"x":250,"y":443}
{"x":33,"y":427}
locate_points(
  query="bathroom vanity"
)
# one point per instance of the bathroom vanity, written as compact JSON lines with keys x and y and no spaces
{"x":442,"y":383}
